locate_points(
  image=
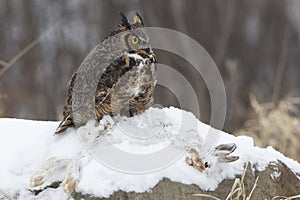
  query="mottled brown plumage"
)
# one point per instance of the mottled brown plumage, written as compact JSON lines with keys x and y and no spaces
{"x":117,"y":77}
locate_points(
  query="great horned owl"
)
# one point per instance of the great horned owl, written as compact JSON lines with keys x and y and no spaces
{"x":125,"y":83}
{"x":118,"y":74}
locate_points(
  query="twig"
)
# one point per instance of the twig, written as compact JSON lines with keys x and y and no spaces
{"x":25,"y":50}
{"x":281,"y":66}
{"x":237,"y":187}
{"x":205,"y":195}
{"x":3,"y":63}
{"x":254,"y":186}
{"x":226,"y":32}
{"x":5,"y":195}
{"x":286,"y":198}
{"x":233,"y":189}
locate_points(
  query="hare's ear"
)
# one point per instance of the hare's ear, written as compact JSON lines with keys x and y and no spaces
{"x":124,"y":21}
{"x":138,"y":20}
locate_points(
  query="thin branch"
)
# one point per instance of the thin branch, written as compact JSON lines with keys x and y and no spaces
{"x":253,"y":188}
{"x":25,"y":50}
{"x":281,"y":66}
{"x":5,"y":195}
{"x":3,"y":63}
{"x":226,"y":32}
{"x":286,"y":198}
{"x":206,"y":195}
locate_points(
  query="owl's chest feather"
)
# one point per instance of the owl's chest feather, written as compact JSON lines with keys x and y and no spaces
{"x":126,"y":78}
{"x":131,"y":84}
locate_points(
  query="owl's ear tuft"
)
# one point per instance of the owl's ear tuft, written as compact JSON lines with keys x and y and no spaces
{"x":124,"y":21}
{"x":138,"y":20}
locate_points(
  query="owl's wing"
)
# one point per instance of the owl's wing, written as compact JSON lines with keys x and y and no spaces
{"x":109,"y":76}
{"x":143,"y":101}
{"x":107,"y":83}
{"x":67,"y":111}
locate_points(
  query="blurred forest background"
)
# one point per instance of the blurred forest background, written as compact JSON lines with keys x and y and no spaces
{"x":255,"y":44}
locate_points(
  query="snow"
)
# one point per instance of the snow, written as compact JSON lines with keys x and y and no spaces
{"x":25,"y":145}
{"x":276,"y":173}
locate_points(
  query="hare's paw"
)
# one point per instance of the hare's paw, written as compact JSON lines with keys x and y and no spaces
{"x":47,"y":170}
{"x":47,"y":174}
{"x":72,"y":176}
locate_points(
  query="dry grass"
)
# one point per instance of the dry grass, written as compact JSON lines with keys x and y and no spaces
{"x":286,"y":198}
{"x":237,"y":190}
{"x":276,"y":125}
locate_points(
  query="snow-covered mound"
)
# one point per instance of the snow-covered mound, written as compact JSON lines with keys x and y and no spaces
{"x":25,"y":145}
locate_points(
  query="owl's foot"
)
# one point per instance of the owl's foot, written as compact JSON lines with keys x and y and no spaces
{"x":221,"y":153}
{"x":51,"y":167}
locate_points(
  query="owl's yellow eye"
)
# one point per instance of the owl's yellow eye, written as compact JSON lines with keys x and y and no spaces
{"x":134,"y":40}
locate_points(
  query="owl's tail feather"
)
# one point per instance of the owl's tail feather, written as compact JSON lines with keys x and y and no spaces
{"x":66,"y":123}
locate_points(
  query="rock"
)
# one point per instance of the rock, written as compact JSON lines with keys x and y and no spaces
{"x":276,"y":180}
